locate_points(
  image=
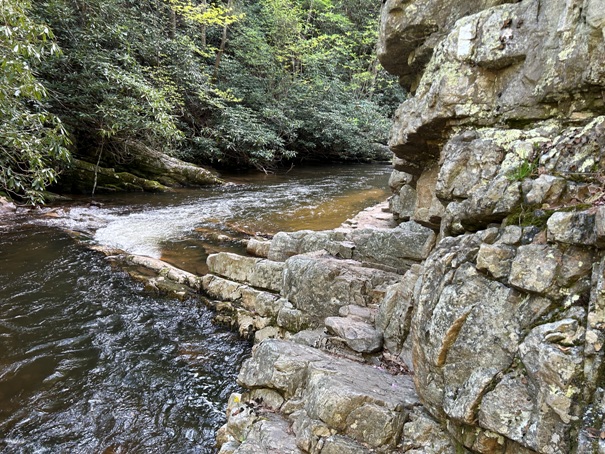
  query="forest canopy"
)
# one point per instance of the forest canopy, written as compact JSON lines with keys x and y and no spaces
{"x":228,"y":83}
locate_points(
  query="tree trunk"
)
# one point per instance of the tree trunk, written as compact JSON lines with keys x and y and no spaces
{"x":172,"y":23}
{"x":204,"y":28}
{"x":221,"y":49}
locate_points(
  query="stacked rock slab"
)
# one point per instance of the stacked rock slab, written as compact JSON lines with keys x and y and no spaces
{"x":500,"y":146}
{"x":492,"y":288}
{"x":312,"y":308}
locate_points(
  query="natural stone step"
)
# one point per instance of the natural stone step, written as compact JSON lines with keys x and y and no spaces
{"x":249,"y":432}
{"x":258,"y":247}
{"x":358,"y":335}
{"x":250,"y":310}
{"x":395,"y":249}
{"x":360,"y":401}
{"x":319,"y":285}
{"x":287,"y":244}
{"x":257,"y":272}
{"x":261,"y":302}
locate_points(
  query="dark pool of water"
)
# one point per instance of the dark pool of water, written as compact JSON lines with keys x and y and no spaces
{"x":89,"y":362}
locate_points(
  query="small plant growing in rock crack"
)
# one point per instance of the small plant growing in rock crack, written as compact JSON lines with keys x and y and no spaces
{"x":527,"y":169}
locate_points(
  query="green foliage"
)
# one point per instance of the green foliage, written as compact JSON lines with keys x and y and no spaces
{"x":114,"y":84}
{"x":32,"y":141}
{"x":525,"y":170}
{"x":229,"y":82}
{"x":315,"y":64}
{"x":205,"y":14}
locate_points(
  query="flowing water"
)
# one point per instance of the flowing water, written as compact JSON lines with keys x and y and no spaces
{"x":89,"y":362}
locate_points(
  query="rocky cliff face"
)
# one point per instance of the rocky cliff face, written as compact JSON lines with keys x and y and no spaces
{"x":501,"y":145}
{"x":490,"y":292}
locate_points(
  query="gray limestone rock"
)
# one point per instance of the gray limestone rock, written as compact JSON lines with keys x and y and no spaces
{"x":165,"y":270}
{"x":465,"y":331}
{"x":271,"y":434}
{"x":360,"y":313}
{"x":496,"y":259}
{"x":428,"y":208}
{"x":287,"y":244}
{"x":546,"y":189}
{"x":292,"y":319}
{"x":394,"y":316}
{"x":508,"y":408}
{"x":269,"y":332}
{"x":319,"y":285}
{"x":505,"y":62}
{"x":538,"y":410}
{"x":595,"y":329}
{"x":337,"y":444}
{"x":535,"y":267}
{"x":572,"y":228}
{"x":398,"y":179}
{"x":410,"y":30}
{"x":253,"y":271}
{"x":398,"y":248}
{"x":392,"y":248}
{"x":258,"y":247}
{"x":469,"y":162}
{"x":600,"y":226}
{"x":358,"y":335}
{"x":508,"y":328}
{"x":360,"y":401}
{"x":423,"y":435}
{"x":511,"y":235}
{"x":403,"y":203}
{"x":244,"y":295}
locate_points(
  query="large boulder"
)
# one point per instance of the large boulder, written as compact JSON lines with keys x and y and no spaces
{"x":410,"y":30}
{"x":514,"y":63}
{"x":168,"y":170}
{"x":319,"y":285}
{"x":83,"y":177}
{"x":359,"y":401}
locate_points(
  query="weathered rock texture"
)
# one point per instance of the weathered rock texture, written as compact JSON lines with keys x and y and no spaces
{"x":318,"y":295}
{"x":146,"y":170}
{"x":491,"y":289}
{"x":500,"y":146}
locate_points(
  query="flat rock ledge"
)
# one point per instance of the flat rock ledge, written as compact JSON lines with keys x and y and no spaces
{"x":319,"y":379}
{"x":327,"y":404}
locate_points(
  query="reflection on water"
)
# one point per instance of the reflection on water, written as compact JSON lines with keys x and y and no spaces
{"x":90,"y":363}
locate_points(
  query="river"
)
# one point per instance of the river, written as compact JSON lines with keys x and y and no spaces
{"x":89,"y":361}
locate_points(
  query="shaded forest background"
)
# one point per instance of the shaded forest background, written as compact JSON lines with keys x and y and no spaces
{"x":231,"y":84}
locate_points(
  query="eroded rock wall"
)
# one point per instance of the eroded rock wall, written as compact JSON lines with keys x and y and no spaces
{"x":502,"y":141}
